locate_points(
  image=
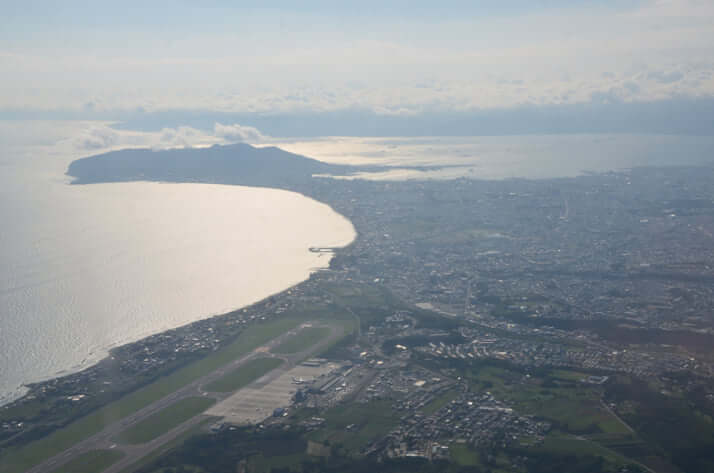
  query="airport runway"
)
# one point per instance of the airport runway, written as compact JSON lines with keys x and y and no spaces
{"x":106,"y":439}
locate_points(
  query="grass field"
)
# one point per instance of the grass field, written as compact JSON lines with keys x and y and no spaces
{"x":19,"y":460}
{"x":244,"y":375}
{"x":439,"y":402}
{"x":196,"y":429}
{"x":565,"y":444}
{"x":568,"y":375}
{"x":165,"y":420}
{"x":585,"y":426}
{"x":302,"y":340}
{"x":367,"y":422}
{"x":574,"y":405}
{"x":94,"y":461}
{"x":463,"y":455}
{"x":262,"y":464}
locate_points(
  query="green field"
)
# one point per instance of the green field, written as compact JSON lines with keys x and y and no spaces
{"x":244,"y":375}
{"x":557,"y":397}
{"x":19,"y":460}
{"x":165,"y":420}
{"x":93,"y":461}
{"x":367,"y":422}
{"x":569,"y":445}
{"x":463,"y":455}
{"x":262,"y":464}
{"x":439,"y":402}
{"x":145,"y":460}
{"x":582,"y":425}
{"x":568,"y":375}
{"x":302,"y":340}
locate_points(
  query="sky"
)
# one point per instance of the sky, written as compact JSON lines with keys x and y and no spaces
{"x":448,"y":66}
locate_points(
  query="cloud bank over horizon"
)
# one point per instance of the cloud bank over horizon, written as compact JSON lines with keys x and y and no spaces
{"x":456,"y":58}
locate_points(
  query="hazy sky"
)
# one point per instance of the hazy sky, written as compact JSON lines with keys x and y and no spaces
{"x":406,"y":58}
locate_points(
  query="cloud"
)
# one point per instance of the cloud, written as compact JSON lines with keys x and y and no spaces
{"x":631,"y":87}
{"x":666,"y":77}
{"x":238,"y":134}
{"x":181,"y":137}
{"x":96,"y":138}
{"x":640,"y":51}
{"x":104,"y":137}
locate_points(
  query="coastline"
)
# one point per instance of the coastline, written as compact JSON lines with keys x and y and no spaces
{"x":108,"y":354}
{"x":316,"y":192}
{"x":419,"y":242}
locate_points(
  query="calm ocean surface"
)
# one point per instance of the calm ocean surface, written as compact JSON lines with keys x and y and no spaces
{"x":503,"y":157}
{"x":86,"y":268}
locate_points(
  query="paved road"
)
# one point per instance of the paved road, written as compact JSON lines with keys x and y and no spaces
{"x":106,"y":439}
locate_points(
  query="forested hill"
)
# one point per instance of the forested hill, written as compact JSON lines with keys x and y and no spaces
{"x":241,"y":164}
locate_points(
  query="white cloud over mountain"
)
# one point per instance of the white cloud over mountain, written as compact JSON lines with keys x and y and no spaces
{"x":237,"y":133}
{"x":103,"y":137}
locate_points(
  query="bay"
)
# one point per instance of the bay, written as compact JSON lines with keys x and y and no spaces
{"x":86,"y":268}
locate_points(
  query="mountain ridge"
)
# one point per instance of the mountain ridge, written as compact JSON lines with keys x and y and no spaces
{"x":238,"y":163}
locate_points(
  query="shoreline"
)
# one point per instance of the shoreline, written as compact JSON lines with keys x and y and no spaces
{"x":108,"y":353}
{"x":453,"y":245}
{"x":312,"y":271}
